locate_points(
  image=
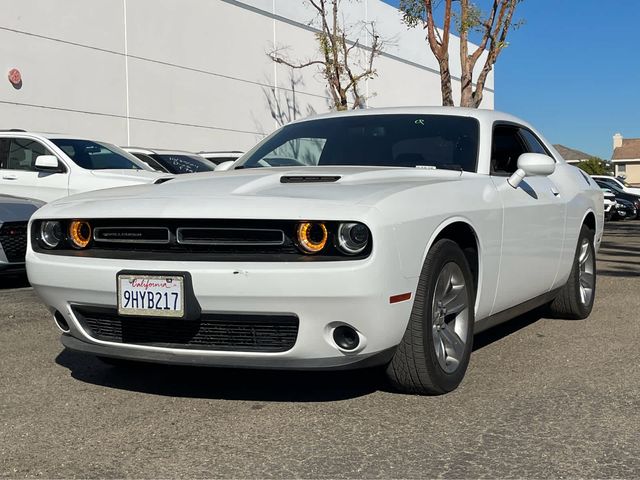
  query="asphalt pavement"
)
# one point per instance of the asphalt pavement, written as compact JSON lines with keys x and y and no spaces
{"x":542,"y":398}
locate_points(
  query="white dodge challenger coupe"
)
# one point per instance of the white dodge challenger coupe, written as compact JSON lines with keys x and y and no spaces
{"x":370,"y":238}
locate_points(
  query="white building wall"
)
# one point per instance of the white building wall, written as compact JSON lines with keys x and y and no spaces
{"x":189,"y":74}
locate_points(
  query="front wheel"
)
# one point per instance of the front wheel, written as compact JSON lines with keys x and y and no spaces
{"x":575,"y":300}
{"x":434,"y":353}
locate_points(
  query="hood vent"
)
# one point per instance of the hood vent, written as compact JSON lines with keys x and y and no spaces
{"x":162,"y":180}
{"x":308,"y":179}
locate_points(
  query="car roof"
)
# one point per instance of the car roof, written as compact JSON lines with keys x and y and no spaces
{"x":158,"y":151}
{"x":47,"y":135}
{"x":483,"y":115}
{"x":221,"y":152}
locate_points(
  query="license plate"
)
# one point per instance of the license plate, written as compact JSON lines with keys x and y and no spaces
{"x":151,"y":295}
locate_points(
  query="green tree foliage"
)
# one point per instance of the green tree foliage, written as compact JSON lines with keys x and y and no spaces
{"x":595,"y":166}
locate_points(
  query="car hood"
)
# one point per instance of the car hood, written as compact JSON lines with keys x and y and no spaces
{"x":16,"y":209}
{"x":254,"y":193}
{"x":129,"y":175}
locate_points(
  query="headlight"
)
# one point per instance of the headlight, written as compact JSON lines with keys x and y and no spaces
{"x":352,"y":238}
{"x":312,"y":237}
{"x":51,"y":233}
{"x":80,"y":233}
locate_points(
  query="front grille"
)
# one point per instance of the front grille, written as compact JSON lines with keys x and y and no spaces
{"x":269,"y":333}
{"x":230,"y":236}
{"x":13,"y":238}
{"x":196,"y":240}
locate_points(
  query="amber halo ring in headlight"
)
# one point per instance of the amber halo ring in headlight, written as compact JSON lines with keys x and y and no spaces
{"x":80,"y":233}
{"x":51,"y":233}
{"x":312,"y":236}
{"x":352,"y":238}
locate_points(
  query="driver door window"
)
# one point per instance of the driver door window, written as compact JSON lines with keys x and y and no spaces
{"x":22,"y":154}
{"x":506,"y":148}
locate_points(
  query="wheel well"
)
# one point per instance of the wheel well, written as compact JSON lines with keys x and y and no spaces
{"x":466,"y":238}
{"x":590,"y":221}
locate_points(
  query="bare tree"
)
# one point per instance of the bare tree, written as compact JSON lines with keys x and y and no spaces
{"x":492,"y":30}
{"x":341,"y":63}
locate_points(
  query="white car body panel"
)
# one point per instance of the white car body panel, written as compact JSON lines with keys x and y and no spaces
{"x":526,"y":240}
{"x":47,"y":187}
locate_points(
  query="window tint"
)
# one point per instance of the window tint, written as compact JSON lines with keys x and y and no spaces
{"x":150,"y":161}
{"x":96,"y":156}
{"x":535,"y":146}
{"x":506,"y":148}
{"x":179,"y":163}
{"x":21,"y":154}
{"x":438,"y":141}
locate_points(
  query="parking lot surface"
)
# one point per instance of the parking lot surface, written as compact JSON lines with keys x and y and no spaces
{"x":542,"y":398}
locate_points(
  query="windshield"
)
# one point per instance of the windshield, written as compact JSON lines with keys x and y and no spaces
{"x":623,"y":181}
{"x":150,"y":161}
{"x":431,"y":141}
{"x":183,"y":163}
{"x":610,"y":186}
{"x":96,"y":155}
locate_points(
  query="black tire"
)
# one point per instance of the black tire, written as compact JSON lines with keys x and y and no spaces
{"x":569,"y":304}
{"x":414,"y":367}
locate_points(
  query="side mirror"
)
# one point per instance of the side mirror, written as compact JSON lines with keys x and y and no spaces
{"x":48,"y":163}
{"x":221,"y":167}
{"x":531,"y":165}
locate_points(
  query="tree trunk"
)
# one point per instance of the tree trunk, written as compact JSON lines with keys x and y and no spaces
{"x":445,"y":82}
{"x":466,"y":84}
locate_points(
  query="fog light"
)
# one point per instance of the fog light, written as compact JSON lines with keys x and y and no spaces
{"x":312,"y":237}
{"x":80,"y":233}
{"x":346,"y":337}
{"x":51,"y":233}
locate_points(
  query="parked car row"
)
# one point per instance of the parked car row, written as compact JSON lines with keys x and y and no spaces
{"x":622,"y":201}
{"x":37,"y":168}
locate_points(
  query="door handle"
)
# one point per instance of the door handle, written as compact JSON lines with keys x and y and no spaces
{"x":9,"y":176}
{"x":554,"y":191}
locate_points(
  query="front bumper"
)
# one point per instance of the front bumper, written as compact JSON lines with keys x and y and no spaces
{"x":323,"y":295}
{"x":169,"y":357}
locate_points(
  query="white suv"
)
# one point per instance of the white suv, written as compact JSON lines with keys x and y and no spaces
{"x":50,"y":166}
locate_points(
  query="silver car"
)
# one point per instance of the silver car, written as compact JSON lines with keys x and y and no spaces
{"x":14,"y":215}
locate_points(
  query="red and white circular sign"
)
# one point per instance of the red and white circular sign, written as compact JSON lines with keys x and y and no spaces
{"x":15,"y":77}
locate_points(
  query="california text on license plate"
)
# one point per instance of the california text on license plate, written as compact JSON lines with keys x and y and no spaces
{"x":151,"y":295}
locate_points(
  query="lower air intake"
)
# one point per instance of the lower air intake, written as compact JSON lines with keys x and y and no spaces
{"x":212,"y":331}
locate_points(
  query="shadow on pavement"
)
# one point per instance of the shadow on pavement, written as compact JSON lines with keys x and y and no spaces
{"x":618,"y":256}
{"x":503,"y":330}
{"x":13,"y":280}
{"x":218,"y":383}
{"x":255,"y":385}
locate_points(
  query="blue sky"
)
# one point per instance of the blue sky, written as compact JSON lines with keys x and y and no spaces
{"x":573,"y":71}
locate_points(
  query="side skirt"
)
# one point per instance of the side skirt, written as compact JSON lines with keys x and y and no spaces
{"x":509,"y":313}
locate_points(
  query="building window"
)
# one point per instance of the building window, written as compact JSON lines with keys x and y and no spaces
{"x":622,"y":169}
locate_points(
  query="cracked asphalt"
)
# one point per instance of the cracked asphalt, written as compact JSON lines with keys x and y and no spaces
{"x":542,"y":398}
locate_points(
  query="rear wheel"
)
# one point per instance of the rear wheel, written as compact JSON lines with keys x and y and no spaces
{"x":434,"y":353}
{"x":575,"y":300}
